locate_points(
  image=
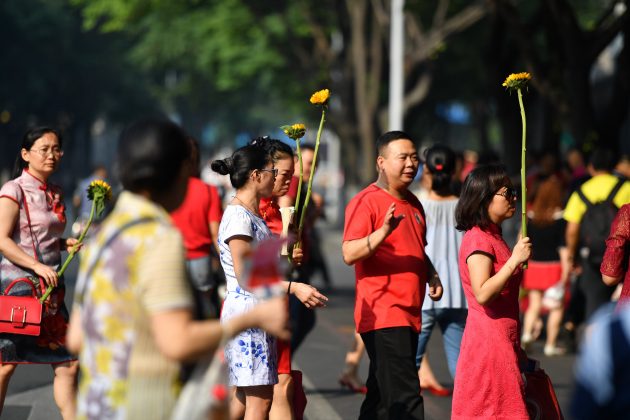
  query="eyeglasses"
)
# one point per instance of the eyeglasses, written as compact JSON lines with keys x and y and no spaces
{"x":509,"y":194}
{"x":274,"y":171}
{"x":56,"y":152}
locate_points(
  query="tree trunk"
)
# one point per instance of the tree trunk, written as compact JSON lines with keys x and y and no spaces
{"x":364,"y":113}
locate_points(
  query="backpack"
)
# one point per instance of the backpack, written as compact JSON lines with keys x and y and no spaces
{"x":595,"y":225}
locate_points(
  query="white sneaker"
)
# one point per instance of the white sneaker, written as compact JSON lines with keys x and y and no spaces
{"x":526,"y":341}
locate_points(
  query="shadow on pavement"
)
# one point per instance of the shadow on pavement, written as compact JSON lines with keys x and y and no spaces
{"x":15,"y":412}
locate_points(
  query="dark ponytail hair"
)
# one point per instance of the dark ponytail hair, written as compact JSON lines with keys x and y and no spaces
{"x":478,"y":190}
{"x":274,"y":148}
{"x":151,"y":153}
{"x":242,"y":162}
{"x":28,"y":141}
{"x":441,"y":163}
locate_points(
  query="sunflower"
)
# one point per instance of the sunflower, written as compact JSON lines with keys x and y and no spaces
{"x":517,"y":80}
{"x":320,"y":97}
{"x":295,"y":131}
{"x":99,"y":192}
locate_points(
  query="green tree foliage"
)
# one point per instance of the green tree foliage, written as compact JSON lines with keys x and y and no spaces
{"x":559,"y":41}
{"x":53,"y":72}
{"x":249,"y":66}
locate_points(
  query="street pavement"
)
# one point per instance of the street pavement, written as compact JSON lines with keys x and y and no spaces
{"x":321,"y":359}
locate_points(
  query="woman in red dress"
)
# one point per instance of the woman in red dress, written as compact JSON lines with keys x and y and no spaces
{"x":616,"y":263}
{"x":489,"y":382}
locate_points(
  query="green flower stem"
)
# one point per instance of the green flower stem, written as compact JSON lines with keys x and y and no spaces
{"x":523,"y":180}
{"x":299,"y":189}
{"x":310,"y":180}
{"x":71,"y":253}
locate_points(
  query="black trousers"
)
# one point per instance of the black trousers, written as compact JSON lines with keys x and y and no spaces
{"x":393,"y":387}
{"x":595,"y":292}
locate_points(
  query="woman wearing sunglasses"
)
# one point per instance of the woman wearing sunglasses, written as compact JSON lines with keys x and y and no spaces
{"x":489,"y":382}
{"x":32,"y":220}
{"x":251,"y":355}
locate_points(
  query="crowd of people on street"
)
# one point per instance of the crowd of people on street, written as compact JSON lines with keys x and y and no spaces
{"x":171,"y":274}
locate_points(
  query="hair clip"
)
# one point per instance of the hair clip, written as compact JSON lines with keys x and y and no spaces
{"x":258,"y":140}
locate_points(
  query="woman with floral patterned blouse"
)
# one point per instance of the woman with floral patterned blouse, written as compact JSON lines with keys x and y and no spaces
{"x":132,"y":323}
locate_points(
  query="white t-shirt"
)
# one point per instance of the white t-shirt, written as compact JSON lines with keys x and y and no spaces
{"x":238,"y":221}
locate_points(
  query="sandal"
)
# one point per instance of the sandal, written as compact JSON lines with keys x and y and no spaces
{"x":351,"y":382}
{"x":438,"y":392}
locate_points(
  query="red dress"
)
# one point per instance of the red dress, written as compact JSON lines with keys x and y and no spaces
{"x":488,"y":384}
{"x":617,"y":255}
{"x":270,"y":212}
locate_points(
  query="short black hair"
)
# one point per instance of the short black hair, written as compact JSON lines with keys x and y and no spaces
{"x":602,"y":159}
{"x":275,"y":148}
{"x":388,"y":137}
{"x":478,"y":190}
{"x":151,"y":153}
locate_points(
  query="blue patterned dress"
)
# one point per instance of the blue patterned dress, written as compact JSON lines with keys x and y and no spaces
{"x":251,"y":355}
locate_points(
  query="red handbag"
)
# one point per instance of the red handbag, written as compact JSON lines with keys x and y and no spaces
{"x":540,"y":398}
{"x":20,"y":314}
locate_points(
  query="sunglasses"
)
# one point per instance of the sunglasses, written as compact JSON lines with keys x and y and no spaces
{"x":509,"y":194}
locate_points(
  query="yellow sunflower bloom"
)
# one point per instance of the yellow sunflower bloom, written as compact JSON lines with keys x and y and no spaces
{"x":101,"y":188}
{"x":320,"y":97}
{"x":517,"y":80}
{"x":295,"y":131}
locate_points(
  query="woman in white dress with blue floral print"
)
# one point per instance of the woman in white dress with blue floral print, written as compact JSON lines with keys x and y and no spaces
{"x":251,"y":355}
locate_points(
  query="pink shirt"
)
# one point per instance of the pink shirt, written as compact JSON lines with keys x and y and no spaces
{"x":48,"y":220}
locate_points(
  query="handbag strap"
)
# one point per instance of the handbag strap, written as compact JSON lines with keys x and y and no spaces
{"x":88,"y":273}
{"x":22,"y":280}
{"x":28,"y":219}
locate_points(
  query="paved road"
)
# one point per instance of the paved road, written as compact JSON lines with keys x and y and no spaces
{"x":321,"y":359}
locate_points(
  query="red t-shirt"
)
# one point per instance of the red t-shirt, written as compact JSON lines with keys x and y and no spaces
{"x":270,"y":212}
{"x":201,"y":206}
{"x":391,"y":283}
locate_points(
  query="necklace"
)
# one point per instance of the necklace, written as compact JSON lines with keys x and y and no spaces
{"x":246,"y":206}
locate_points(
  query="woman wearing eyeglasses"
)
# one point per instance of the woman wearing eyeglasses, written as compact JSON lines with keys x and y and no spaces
{"x":489,"y":382}
{"x":32,"y":221}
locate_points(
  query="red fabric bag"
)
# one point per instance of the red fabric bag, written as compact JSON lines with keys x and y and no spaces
{"x":541,"y":275}
{"x":540,"y":398}
{"x":20,"y":314}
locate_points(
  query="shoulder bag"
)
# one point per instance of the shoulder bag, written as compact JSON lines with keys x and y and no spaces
{"x":21,"y":314}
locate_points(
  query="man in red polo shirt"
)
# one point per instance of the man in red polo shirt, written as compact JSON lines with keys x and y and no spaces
{"x":384,"y":238}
